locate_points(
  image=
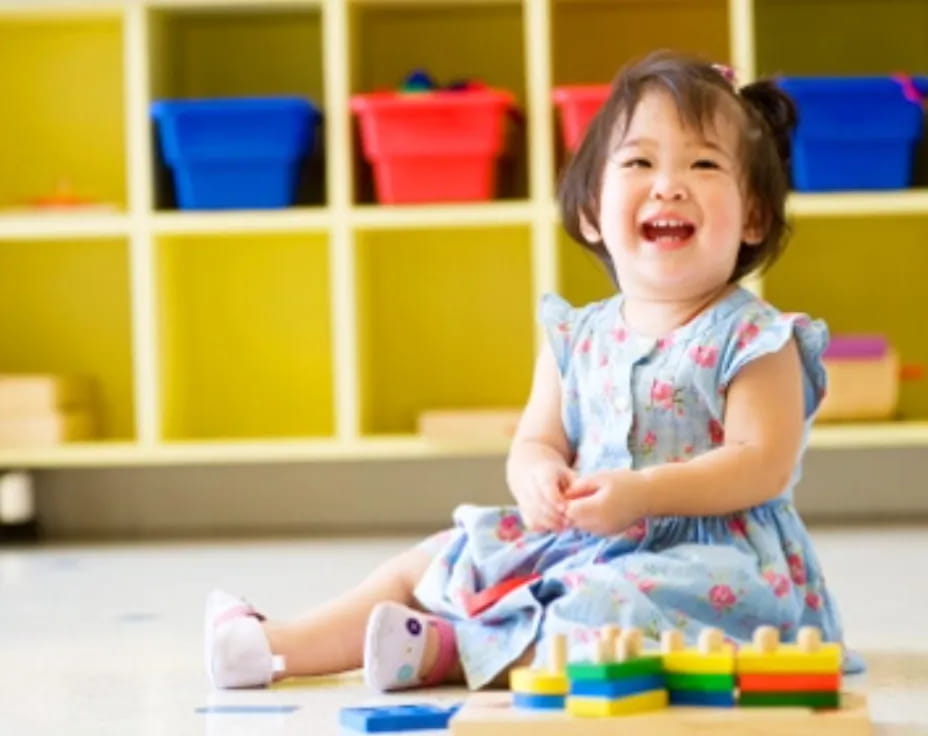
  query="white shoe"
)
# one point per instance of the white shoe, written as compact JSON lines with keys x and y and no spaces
{"x":394,"y":645}
{"x":236,"y":650}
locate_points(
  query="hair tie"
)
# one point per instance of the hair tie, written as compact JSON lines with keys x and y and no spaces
{"x":726,"y":71}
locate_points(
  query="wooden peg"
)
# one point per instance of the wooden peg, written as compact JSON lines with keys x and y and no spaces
{"x":605,"y":644}
{"x":766,"y":639}
{"x":629,"y":645}
{"x":710,"y":640}
{"x":557,"y":653}
{"x":809,"y":639}
{"x":672,"y":641}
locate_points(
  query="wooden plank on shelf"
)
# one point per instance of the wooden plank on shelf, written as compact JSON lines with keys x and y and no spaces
{"x":469,"y":426}
{"x":869,"y":434}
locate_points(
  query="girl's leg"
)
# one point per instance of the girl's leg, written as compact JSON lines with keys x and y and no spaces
{"x":330,"y":638}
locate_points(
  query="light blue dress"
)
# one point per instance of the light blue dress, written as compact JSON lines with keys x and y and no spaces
{"x":630,"y":401}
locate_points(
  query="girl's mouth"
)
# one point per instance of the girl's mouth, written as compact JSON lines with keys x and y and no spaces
{"x":667,"y":233}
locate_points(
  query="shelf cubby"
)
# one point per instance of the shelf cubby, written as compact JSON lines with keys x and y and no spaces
{"x":63,"y":92}
{"x":445,"y":320}
{"x":245,"y":337}
{"x":849,"y":272}
{"x":633,"y":28}
{"x":67,"y":310}
{"x":239,"y":51}
{"x":826,"y":37}
{"x":451,"y":41}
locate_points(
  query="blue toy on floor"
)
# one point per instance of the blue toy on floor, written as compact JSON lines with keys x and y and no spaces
{"x":396,"y":718}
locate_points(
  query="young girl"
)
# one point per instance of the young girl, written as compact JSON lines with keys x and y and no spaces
{"x":655,"y":461}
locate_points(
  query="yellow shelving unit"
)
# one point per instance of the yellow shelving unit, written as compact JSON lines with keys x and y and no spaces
{"x":320,"y":331}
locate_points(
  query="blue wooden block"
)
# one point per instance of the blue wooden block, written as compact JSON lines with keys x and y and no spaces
{"x":717,"y":699}
{"x":396,"y":718}
{"x":538,"y":702}
{"x":612,"y":689}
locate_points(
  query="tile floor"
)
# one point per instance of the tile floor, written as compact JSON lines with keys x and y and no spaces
{"x":106,"y":639}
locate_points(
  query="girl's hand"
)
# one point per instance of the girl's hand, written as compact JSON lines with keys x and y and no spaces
{"x":539,"y":491}
{"x":606,"y":503}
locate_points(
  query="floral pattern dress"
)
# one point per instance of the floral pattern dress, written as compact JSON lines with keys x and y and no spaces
{"x":630,"y":401}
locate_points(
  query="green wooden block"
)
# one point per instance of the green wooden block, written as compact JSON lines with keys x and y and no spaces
{"x":810,"y":700}
{"x":648,"y":665}
{"x":702,"y":683}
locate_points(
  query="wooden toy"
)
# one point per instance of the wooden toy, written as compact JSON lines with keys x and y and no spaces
{"x":491,"y":714}
{"x":808,"y":656}
{"x":790,"y":682}
{"x":863,"y":378}
{"x":700,"y":676}
{"x":779,"y":698}
{"x":622,"y":681}
{"x":542,"y":688}
{"x":414,"y":717}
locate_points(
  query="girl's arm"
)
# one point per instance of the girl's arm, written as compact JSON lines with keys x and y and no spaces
{"x":763,"y":434}
{"x":537,"y":468}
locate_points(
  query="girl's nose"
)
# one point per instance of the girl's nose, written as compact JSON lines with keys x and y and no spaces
{"x":668,"y":188}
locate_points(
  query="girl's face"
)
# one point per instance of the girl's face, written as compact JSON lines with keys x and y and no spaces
{"x":672,"y":214}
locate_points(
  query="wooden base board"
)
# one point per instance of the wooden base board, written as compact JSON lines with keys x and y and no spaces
{"x":491,"y":714}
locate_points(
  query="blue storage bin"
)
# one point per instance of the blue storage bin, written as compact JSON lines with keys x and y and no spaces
{"x":240,"y":153}
{"x":854,"y":132}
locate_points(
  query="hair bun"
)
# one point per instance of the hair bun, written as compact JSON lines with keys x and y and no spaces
{"x":777,"y":108}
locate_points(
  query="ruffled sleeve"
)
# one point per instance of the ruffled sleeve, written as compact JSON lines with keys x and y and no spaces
{"x":564,"y":325}
{"x":762,"y":332}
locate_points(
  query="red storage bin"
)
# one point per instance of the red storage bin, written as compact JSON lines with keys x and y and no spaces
{"x":438,"y":146}
{"x":577,"y":105}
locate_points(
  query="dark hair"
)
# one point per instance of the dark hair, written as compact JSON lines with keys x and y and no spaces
{"x":698,"y":89}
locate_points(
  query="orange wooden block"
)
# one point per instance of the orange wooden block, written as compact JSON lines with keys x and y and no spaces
{"x":784,"y":683}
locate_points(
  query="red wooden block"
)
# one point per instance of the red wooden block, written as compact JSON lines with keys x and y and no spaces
{"x":486,"y":598}
{"x":777,"y":683}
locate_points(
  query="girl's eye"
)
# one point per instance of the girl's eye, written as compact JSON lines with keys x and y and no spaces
{"x":705,"y":163}
{"x":635,"y":163}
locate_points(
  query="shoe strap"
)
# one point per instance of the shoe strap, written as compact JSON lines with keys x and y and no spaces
{"x":447,"y":652}
{"x":236,"y":612}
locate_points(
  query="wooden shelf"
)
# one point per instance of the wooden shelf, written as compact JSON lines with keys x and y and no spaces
{"x":63,"y":226}
{"x":381,"y":217}
{"x":386,"y":447}
{"x":118,"y":454}
{"x":342,"y":320}
{"x":227,"y":4}
{"x":294,"y":219}
{"x":857,"y":204}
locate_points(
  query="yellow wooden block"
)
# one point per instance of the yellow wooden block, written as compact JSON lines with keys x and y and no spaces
{"x":602,"y":708}
{"x":694,"y":662}
{"x":790,"y":658}
{"x":538,"y":682}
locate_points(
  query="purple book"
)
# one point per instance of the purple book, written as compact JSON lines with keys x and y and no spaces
{"x":856,"y":347}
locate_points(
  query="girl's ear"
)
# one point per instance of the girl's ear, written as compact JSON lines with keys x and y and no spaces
{"x":589,"y":232}
{"x":755,"y":227}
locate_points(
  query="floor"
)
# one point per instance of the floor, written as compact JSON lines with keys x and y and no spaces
{"x":107,"y":639}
